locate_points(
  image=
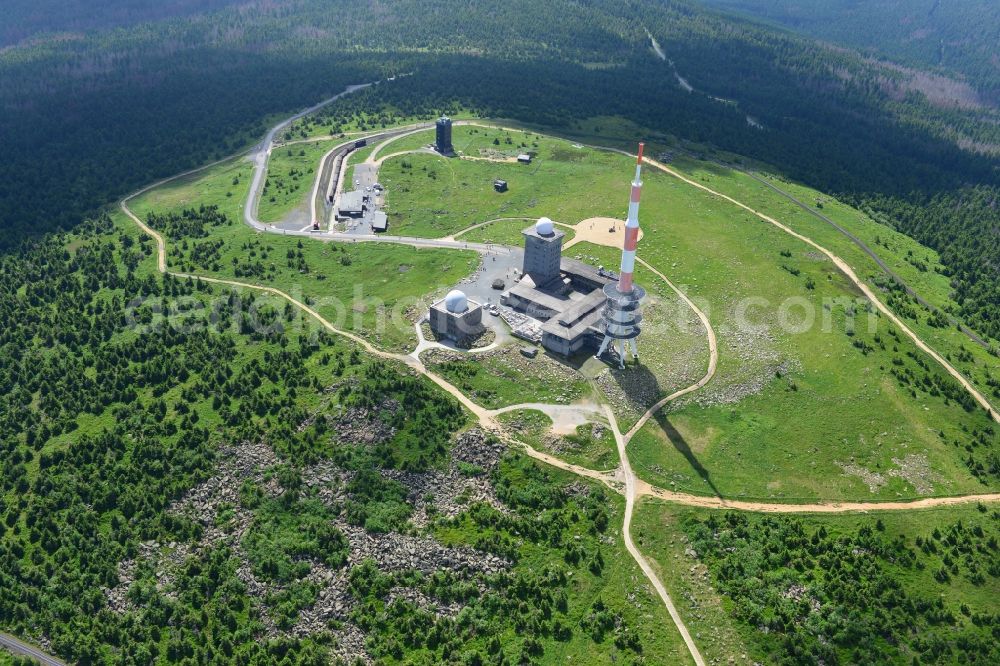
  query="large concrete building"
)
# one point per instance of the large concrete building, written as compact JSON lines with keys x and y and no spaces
{"x":442,"y":137}
{"x":564,"y":295}
{"x":352,"y":204}
{"x":456,"y":318}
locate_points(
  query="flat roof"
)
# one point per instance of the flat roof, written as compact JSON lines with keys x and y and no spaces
{"x":353,"y":200}
{"x":535,"y":295}
{"x":581,"y":308}
{"x":380,"y":221}
{"x":573,"y":267}
{"x":583,"y":324}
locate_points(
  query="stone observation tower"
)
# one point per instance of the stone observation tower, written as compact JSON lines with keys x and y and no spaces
{"x":621,"y":311}
{"x":442,"y":137}
{"x":542,"y":252}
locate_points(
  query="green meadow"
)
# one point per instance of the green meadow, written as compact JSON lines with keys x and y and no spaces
{"x":814,"y":393}
{"x":428,"y":195}
{"x":917,"y":265}
{"x":375,"y":290}
{"x":291,"y":172}
{"x":503,"y":377}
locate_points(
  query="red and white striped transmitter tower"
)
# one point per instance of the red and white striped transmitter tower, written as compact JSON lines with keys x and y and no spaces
{"x":621,"y":311}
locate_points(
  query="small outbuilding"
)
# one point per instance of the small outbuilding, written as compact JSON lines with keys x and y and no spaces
{"x":380,"y":222}
{"x":500,"y":185}
{"x":524,"y":158}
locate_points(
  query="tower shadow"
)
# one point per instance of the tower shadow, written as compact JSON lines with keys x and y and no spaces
{"x":637,"y":383}
{"x":641,"y":390}
{"x":682,"y":447}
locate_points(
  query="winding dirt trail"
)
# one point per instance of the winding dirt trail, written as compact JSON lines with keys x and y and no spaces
{"x":624,"y":479}
{"x":711,"y":502}
{"x":713,"y":357}
{"x":631,"y":486}
{"x":844,"y":268}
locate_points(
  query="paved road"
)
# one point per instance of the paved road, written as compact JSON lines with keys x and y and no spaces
{"x":262,"y":152}
{"x":20,"y":648}
{"x":633,"y":487}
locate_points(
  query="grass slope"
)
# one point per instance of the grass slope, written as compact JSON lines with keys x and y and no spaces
{"x":592,"y":445}
{"x":504,"y":377}
{"x":288,"y":184}
{"x":805,"y":384}
{"x":428,"y":195}
{"x":372,"y":289}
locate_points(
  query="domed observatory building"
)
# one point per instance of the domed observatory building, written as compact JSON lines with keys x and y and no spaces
{"x":457,"y":318}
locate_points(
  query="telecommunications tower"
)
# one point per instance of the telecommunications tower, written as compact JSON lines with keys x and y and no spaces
{"x":621,"y":311}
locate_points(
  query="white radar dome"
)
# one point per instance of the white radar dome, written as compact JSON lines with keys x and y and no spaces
{"x":456,"y":301}
{"x":544,"y":227}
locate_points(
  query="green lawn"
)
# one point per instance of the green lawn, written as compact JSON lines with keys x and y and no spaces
{"x":373,"y":289}
{"x":224,"y":185}
{"x":428,"y":195}
{"x":291,"y":172}
{"x":376,"y":290}
{"x":918,"y":266}
{"x":760,"y":567}
{"x":794,"y":402}
{"x":407,"y":142}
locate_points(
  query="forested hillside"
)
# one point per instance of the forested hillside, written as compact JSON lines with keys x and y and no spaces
{"x":25,"y":18}
{"x":91,"y":117}
{"x":957,"y":36}
{"x":195,"y":474}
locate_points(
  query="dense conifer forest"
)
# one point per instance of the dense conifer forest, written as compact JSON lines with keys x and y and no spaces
{"x":197,"y":473}
{"x":92,"y":116}
{"x":960,"y":37}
